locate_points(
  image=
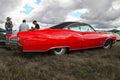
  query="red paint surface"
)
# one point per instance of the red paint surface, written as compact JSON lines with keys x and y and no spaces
{"x":44,"y":40}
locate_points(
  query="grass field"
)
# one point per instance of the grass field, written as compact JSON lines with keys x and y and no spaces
{"x":92,"y":64}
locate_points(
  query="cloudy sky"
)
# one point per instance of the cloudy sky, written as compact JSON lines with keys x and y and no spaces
{"x":102,"y":14}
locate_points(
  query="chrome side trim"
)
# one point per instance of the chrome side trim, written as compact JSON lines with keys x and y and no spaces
{"x":59,"y":47}
{"x":85,"y":48}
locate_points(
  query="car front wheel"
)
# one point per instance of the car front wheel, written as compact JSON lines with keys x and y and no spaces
{"x":59,"y":51}
{"x":108,"y":44}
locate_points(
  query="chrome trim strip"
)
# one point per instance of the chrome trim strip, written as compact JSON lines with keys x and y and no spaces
{"x":59,"y":47}
{"x":85,"y":48}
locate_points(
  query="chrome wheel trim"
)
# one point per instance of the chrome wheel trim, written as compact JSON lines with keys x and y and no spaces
{"x":108,"y":44}
{"x":59,"y":51}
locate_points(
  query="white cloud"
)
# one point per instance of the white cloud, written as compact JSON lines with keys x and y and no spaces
{"x":13,"y":8}
{"x":98,"y":12}
{"x":75,"y":16}
{"x":103,"y":13}
{"x":54,"y":11}
{"x":116,"y":4}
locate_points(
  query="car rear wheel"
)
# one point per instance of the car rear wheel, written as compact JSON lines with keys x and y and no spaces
{"x":59,"y":51}
{"x":108,"y":44}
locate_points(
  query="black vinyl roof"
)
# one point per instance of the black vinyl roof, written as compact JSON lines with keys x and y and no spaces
{"x":64,"y":24}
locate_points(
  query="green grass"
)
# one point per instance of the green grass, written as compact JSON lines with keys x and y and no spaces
{"x":92,"y":64}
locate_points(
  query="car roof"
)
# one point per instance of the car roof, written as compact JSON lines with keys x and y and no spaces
{"x":64,"y":24}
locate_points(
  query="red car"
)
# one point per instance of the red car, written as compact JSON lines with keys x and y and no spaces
{"x":61,"y":38}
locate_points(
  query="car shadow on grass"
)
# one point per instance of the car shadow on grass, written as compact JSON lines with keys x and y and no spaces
{"x":30,"y":55}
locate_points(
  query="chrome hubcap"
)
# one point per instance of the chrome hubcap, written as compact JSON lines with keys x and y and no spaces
{"x":107,"y":44}
{"x":59,"y":50}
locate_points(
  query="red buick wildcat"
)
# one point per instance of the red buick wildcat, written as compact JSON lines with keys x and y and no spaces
{"x":61,"y":38}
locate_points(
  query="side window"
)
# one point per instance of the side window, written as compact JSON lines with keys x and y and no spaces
{"x":86,"y":28}
{"x":74,"y":27}
{"x":80,"y":28}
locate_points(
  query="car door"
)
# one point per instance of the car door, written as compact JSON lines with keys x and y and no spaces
{"x":90,"y":37}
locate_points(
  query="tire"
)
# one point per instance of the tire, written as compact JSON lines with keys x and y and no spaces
{"x":59,"y":51}
{"x":108,"y":44}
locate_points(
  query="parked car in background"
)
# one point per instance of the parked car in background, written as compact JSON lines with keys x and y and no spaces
{"x":117,"y":36}
{"x":61,"y":38}
{"x":116,"y":33}
{"x":2,"y":36}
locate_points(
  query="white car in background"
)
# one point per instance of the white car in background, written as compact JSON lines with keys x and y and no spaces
{"x":117,"y":36}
